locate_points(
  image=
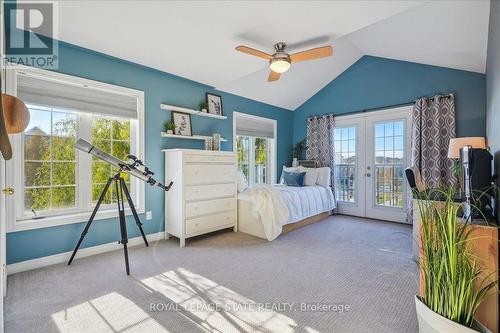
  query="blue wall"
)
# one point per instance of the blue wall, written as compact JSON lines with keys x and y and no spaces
{"x":493,"y":84}
{"x":369,"y":83}
{"x":159,"y":87}
{"x":377,"y":82}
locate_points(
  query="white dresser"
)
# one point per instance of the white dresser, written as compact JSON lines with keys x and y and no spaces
{"x":203,"y":197}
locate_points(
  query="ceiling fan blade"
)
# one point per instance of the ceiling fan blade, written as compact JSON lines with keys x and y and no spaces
{"x":273,"y":76}
{"x":319,"y":52}
{"x":254,"y":52}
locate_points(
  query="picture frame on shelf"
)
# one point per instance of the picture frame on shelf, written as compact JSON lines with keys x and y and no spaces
{"x":183,"y":125}
{"x":214,"y":104}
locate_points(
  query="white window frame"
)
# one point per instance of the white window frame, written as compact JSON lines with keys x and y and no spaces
{"x":15,"y":219}
{"x":272,"y":148}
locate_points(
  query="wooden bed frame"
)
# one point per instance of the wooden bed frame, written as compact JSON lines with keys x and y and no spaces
{"x":310,"y":220}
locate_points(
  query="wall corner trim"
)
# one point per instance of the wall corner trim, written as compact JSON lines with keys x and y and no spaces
{"x":82,"y":253}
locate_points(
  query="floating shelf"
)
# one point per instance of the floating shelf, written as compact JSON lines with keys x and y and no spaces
{"x":190,"y":111}
{"x":193,"y":137}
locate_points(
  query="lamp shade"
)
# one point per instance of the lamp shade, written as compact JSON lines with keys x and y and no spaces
{"x":457,"y":143}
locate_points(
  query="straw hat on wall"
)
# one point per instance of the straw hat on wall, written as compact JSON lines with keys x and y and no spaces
{"x":14,"y":118}
{"x":5,"y":147}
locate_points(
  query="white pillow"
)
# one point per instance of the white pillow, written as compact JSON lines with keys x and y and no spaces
{"x":323,"y":177}
{"x":289,"y":169}
{"x":311,"y":175}
{"x":242,"y":182}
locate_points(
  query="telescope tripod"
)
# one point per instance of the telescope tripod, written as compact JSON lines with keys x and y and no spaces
{"x":121,"y":190}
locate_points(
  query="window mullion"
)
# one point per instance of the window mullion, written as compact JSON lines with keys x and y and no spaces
{"x":251,"y":170}
{"x":84,"y":180}
{"x":268,"y":160}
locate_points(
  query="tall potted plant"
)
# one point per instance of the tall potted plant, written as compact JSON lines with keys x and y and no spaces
{"x":453,"y":278}
{"x":297,"y":151}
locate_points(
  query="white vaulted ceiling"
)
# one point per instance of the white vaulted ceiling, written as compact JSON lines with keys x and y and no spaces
{"x":196,"y":39}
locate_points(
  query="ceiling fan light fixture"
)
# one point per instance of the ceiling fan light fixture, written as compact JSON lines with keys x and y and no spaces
{"x":279,"y":65}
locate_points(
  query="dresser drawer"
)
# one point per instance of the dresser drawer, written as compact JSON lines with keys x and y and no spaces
{"x":210,"y":223}
{"x":209,"y":207}
{"x":210,"y":159}
{"x":209,"y":173}
{"x":203,"y":192}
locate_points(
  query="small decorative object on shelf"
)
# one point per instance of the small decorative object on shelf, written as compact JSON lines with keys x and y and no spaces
{"x":204,"y":107}
{"x":214,"y":104}
{"x":182,"y":122}
{"x":216,"y":142}
{"x":169,"y":127}
{"x":209,"y":144}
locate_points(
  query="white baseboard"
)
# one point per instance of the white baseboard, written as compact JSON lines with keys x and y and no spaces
{"x":85,"y":252}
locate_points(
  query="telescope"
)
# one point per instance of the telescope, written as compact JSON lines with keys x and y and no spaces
{"x":130,"y":168}
{"x":134,"y":167}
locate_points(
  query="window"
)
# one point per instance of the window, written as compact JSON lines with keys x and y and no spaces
{"x":113,"y":137}
{"x":49,"y":160}
{"x":255,"y":145}
{"x":243,"y":150}
{"x":54,"y":183}
{"x":253,"y":159}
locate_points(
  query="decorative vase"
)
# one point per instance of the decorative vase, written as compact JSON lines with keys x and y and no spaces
{"x":209,"y":144}
{"x":295,"y":162}
{"x":170,"y":132}
{"x":216,"y":142}
{"x":431,"y":322}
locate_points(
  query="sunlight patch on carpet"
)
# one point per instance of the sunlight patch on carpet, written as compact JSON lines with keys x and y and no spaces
{"x":109,"y":313}
{"x":214,"y":307}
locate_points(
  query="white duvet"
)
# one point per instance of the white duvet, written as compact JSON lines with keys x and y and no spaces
{"x":306,"y":201}
{"x":277,"y":205}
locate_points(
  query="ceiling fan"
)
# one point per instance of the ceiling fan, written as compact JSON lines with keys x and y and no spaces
{"x":280,"y":61}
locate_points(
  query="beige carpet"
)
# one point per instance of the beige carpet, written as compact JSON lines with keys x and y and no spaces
{"x":342,"y":274}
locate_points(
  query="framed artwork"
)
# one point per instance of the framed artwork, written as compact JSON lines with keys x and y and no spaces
{"x":214,"y":104}
{"x":182,"y":123}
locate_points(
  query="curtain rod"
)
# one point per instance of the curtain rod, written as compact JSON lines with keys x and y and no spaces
{"x":392,"y":106}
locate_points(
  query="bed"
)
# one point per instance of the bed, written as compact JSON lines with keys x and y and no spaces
{"x":305,"y":205}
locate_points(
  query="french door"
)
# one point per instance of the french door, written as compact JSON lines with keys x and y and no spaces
{"x":371,"y":153}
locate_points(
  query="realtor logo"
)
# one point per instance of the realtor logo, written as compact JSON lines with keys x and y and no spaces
{"x":31,"y":34}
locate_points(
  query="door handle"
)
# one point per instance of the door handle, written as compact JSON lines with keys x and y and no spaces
{"x":8,"y":191}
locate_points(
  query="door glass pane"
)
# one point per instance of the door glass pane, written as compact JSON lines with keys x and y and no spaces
{"x":389,"y":163}
{"x":345,"y":163}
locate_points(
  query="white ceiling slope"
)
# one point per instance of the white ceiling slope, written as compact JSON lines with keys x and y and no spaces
{"x":196,"y":39}
{"x":442,"y":33}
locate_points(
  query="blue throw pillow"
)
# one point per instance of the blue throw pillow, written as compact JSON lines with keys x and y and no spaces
{"x":294,"y":178}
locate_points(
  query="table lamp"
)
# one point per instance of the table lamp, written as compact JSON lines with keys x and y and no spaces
{"x":454,"y":153}
{"x":457,"y":143}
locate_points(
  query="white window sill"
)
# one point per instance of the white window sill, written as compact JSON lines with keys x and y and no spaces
{"x":52,"y":221}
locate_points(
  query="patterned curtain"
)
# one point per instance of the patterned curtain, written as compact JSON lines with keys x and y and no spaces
{"x":433,"y":125}
{"x":320,"y":142}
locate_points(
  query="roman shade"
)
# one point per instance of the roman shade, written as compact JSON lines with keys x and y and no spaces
{"x":73,"y":96}
{"x":256,"y":127}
